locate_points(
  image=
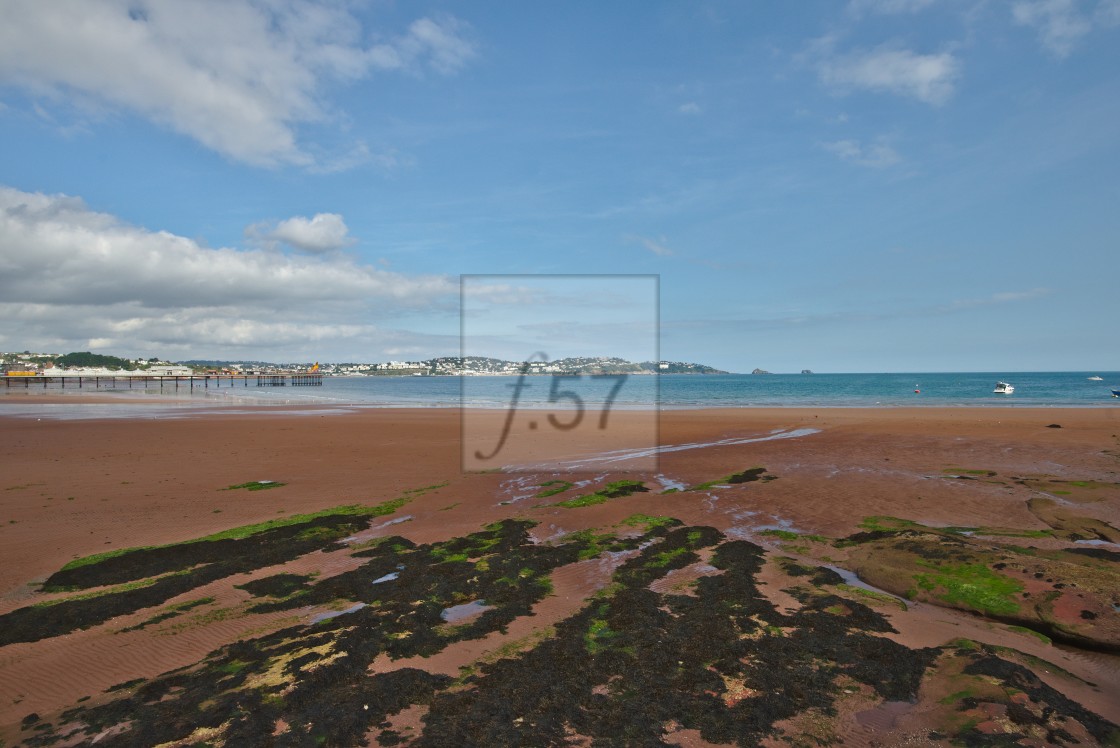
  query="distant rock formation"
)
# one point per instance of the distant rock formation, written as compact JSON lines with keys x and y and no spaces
{"x":806,"y":371}
{"x":760,"y":371}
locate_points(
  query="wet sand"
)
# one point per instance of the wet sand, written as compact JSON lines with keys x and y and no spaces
{"x":71,"y":488}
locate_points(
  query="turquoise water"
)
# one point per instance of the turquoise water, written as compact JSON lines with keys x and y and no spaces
{"x":790,"y":390}
{"x":1032,"y":389}
{"x":727,"y":390}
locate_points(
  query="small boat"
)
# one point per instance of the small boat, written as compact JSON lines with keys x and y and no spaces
{"x":1003,"y":388}
{"x":1096,"y":379}
{"x":1116,"y":393}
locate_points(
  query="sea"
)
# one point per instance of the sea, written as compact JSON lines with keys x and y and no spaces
{"x":673,"y":391}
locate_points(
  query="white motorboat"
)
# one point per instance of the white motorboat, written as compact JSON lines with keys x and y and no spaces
{"x":1003,"y":388}
{"x":1096,"y":379}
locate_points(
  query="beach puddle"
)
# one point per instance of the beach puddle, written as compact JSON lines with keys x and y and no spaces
{"x":884,"y":717}
{"x":765,"y":534}
{"x":336,"y":613}
{"x":459,"y":613}
{"x":668,"y":484}
{"x":850,"y":577}
{"x":518,"y":489}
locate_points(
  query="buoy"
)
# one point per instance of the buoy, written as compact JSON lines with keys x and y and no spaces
{"x":917,"y":392}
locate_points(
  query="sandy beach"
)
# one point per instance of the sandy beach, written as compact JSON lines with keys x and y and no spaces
{"x":74,"y":488}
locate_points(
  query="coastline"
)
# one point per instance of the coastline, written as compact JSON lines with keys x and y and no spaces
{"x":84,"y":486}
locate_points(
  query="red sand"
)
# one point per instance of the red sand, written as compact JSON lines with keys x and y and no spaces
{"x":73,"y":488}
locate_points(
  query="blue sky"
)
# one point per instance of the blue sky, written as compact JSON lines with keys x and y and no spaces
{"x":877,"y":185}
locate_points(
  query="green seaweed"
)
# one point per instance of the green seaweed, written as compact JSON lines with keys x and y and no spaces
{"x":145,"y":577}
{"x":746,"y":476}
{"x":255,"y":485}
{"x":885,"y":523}
{"x":789,"y":535}
{"x":171,"y":611}
{"x":116,"y":590}
{"x":276,"y":585}
{"x":634,"y":660}
{"x":974,"y":586}
{"x":595,"y":544}
{"x":245,"y":531}
{"x":553,"y":487}
{"x":646,"y":521}
{"x":614,"y":490}
{"x":724,"y":662}
{"x":873,"y":595}
{"x":598,"y":637}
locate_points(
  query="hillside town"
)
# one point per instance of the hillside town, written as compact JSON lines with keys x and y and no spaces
{"x":86,"y":364}
{"x":29,"y":363}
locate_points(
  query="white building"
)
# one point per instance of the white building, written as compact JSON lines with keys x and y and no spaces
{"x":168,"y":370}
{"x":89,"y":371}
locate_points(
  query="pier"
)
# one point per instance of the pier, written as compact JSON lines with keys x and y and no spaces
{"x":141,"y":381}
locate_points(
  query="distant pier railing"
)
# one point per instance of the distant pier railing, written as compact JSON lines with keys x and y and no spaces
{"x":125,"y":381}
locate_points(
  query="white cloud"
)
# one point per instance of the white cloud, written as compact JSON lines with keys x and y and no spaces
{"x":876,"y":155}
{"x":442,"y":42}
{"x":1006,"y":296}
{"x":238,"y":76}
{"x":324,"y":232}
{"x":1003,"y":297}
{"x":929,"y":78}
{"x":70,"y":275}
{"x":1061,"y":24}
{"x":887,"y":7}
{"x":658,"y":246}
{"x":690,"y":107}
